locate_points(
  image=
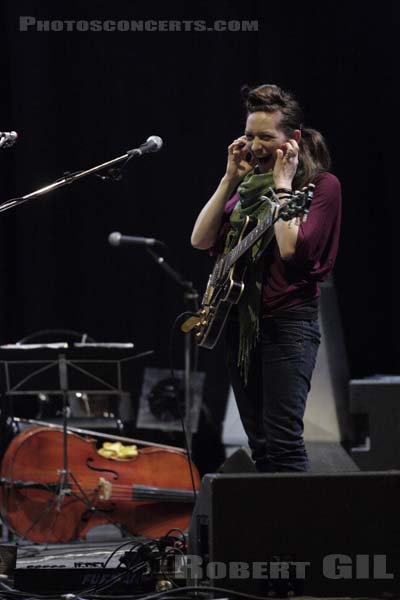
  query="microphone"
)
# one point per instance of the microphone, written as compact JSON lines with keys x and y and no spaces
{"x":117,"y":239}
{"x":8,"y":138}
{"x":152,"y":144}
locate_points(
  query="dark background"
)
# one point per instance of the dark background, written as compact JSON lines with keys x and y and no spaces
{"x":78,"y":99}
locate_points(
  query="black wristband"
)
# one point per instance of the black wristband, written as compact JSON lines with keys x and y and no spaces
{"x":283,"y":191}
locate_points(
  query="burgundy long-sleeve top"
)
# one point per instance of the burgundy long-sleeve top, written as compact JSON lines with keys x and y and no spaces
{"x":294,"y":283}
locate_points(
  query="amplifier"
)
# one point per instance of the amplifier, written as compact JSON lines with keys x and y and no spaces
{"x":375,"y":404}
{"x":302,"y":533}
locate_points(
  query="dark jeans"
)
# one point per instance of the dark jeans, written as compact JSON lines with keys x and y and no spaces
{"x":272,"y":404}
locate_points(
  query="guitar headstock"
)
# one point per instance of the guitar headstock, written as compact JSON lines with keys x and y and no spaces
{"x":298,"y":205}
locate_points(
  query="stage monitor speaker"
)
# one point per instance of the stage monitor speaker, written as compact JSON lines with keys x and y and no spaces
{"x":302,"y":533}
{"x":377,"y":400}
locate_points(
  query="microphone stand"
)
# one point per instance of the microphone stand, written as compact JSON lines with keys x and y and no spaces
{"x":69,"y":178}
{"x":64,"y":472}
{"x":190,"y":298}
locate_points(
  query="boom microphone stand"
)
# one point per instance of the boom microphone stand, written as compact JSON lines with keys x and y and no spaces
{"x":191,"y":301}
{"x":63,"y":484}
{"x":153,"y":144}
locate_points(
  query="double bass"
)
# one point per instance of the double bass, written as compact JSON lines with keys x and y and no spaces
{"x":148,"y":495}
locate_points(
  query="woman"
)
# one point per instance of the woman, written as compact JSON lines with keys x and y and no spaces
{"x":273,"y":336}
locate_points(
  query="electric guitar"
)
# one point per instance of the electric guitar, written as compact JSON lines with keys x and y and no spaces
{"x":227,"y":280}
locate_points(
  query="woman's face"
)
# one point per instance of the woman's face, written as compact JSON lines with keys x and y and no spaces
{"x":264,"y":138}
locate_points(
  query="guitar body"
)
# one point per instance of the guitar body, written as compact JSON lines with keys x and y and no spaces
{"x":226,"y":282}
{"x":219,"y":309}
{"x":220,"y":295}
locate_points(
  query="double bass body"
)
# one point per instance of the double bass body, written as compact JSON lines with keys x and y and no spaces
{"x":147,"y":495}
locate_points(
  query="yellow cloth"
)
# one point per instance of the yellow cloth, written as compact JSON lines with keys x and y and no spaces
{"x":117,"y":451}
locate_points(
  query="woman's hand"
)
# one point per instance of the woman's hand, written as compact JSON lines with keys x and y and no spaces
{"x":237,"y":166}
{"x":287,"y":160}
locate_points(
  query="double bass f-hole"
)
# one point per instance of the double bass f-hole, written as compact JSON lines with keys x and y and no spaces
{"x":89,"y":464}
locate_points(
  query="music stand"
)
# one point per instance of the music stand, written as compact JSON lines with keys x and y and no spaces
{"x":63,"y":363}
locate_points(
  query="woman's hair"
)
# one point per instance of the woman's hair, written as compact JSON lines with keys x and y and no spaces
{"x":314,"y":155}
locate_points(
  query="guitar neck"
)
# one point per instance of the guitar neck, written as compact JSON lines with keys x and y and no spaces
{"x":298,"y":204}
{"x":250,"y":239}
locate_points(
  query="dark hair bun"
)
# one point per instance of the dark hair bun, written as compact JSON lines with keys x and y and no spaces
{"x":268,"y":97}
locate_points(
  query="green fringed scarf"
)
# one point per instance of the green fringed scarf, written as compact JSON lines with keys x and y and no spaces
{"x":253,"y":186}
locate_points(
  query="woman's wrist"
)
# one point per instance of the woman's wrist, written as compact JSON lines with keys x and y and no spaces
{"x":230,"y":181}
{"x":283,"y":190}
{"x":286,"y":185}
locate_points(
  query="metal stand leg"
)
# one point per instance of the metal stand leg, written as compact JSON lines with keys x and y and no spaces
{"x":62,"y":366}
{"x":191,"y":302}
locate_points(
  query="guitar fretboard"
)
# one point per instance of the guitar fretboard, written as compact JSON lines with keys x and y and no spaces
{"x":248,"y":241}
{"x":225,"y":263}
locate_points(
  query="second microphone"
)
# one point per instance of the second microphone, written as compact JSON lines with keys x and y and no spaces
{"x":117,"y":239}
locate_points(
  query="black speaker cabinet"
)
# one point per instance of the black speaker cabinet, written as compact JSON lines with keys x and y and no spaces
{"x":324,"y":534}
{"x":377,"y":399}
